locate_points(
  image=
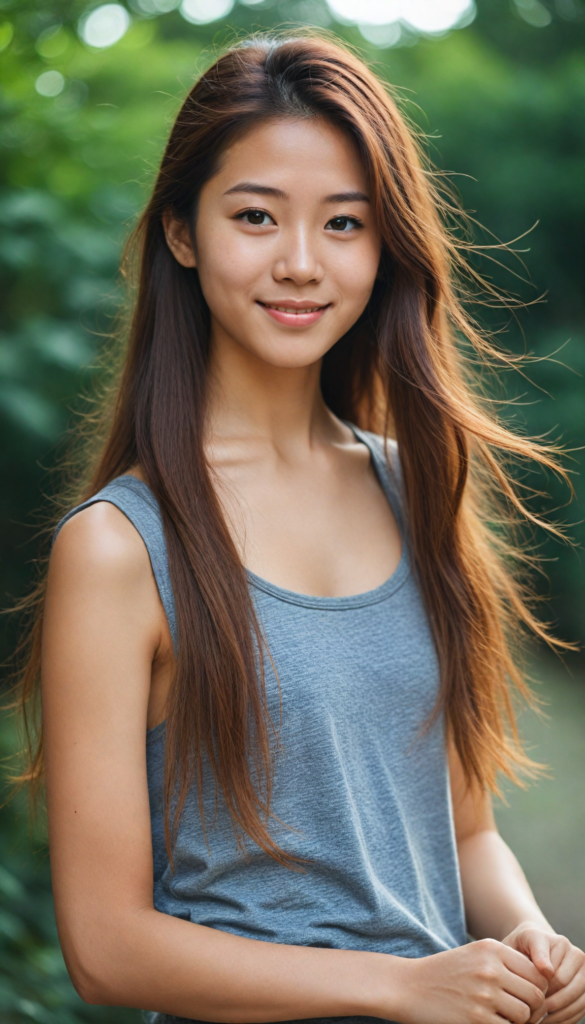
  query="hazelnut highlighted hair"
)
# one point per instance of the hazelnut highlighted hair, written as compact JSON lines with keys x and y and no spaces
{"x":400,"y":369}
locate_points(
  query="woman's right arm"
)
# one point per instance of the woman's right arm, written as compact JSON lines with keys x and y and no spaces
{"x":104,"y":626}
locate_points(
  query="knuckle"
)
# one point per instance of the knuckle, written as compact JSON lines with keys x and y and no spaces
{"x":487,"y":944}
{"x":487,"y":972}
{"x":484,"y":997}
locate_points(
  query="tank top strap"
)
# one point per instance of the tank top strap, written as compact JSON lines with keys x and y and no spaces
{"x":386,"y":463}
{"x":135,"y":499}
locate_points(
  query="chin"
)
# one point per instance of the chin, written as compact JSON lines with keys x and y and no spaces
{"x":290,"y":356}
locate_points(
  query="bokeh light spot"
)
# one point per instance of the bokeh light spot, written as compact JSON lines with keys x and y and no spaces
{"x":533,"y":12}
{"x":50,"y":83}
{"x":382,"y":35}
{"x":200,"y":12}
{"x":104,"y":26}
{"x":154,"y":7}
{"x":426,"y":16}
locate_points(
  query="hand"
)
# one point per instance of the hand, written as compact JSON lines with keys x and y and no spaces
{"x":559,"y":961}
{"x":480,"y":983}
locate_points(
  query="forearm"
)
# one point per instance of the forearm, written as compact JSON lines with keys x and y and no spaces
{"x":156,"y":962}
{"x":496,"y":895}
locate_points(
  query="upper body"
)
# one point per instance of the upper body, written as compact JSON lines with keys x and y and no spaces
{"x":362,"y":789}
{"x":402,"y":851}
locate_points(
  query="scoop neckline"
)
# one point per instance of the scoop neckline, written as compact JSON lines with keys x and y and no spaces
{"x":367,"y":597}
{"x":360,"y":600}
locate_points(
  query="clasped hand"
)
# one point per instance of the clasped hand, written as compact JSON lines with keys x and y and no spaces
{"x":561,"y":964}
{"x":531,"y":976}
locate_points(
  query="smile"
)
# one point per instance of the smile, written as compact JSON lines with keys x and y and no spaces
{"x":287,"y":309}
{"x":294,"y":314}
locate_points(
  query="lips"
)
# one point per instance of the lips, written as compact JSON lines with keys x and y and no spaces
{"x":294,"y":313}
{"x":292,"y":309}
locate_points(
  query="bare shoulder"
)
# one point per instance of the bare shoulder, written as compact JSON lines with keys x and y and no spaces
{"x":101,"y":586}
{"x":100,"y":543}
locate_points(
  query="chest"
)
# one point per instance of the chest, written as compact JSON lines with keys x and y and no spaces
{"x":369,"y":672}
{"x":319,"y":526}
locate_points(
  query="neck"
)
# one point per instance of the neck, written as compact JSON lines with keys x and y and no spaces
{"x":251,"y":399}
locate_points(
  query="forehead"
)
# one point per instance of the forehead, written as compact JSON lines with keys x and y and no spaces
{"x":298,"y":156}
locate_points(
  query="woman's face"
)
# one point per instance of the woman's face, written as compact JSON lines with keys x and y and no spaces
{"x":285,"y":242}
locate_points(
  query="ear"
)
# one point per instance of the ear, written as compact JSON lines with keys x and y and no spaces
{"x":179,"y":239}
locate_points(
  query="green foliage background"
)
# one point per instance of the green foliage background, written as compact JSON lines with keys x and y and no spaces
{"x":502,"y":103}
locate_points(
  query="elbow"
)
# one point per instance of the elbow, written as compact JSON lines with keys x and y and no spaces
{"x":90,"y":965}
{"x":89,"y":988}
{"x":100,"y":953}
{"x":92,"y":985}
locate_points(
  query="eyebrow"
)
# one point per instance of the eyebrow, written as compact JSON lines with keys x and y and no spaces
{"x":261,"y":190}
{"x":346,"y":197}
{"x":277,"y":193}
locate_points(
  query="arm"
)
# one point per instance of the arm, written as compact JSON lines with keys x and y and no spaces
{"x":500,"y":904}
{"x":496,"y":895}
{"x":104,"y":631}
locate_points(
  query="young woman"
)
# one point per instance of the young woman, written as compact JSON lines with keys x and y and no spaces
{"x":275,"y":646}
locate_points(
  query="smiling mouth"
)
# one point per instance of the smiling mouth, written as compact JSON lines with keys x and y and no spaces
{"x":295,"y":311}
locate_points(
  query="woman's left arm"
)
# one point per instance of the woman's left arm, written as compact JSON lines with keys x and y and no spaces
{"x":499,"y":903}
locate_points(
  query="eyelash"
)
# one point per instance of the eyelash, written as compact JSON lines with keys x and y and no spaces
{"x":252,"y":209}
{"x":354,"y":221}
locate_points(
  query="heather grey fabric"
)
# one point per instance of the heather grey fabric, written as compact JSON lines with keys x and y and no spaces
{"x":364,"y":791}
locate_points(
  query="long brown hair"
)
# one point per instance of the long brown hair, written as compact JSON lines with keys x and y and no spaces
{"x":400,"y":369}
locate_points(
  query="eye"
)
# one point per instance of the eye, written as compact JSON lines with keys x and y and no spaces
{"x":343,"y":225}
{"x":258,"y":218}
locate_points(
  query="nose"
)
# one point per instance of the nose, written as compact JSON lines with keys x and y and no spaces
{"x":297,"y":261}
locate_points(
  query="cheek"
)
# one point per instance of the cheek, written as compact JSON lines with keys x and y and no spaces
{"x":228,"y":267}
{"x":355,"y":272}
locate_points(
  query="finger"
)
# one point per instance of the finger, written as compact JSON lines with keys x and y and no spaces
{"x":555,"y":984}
{"x":512,"y":1009}
{"x":570,"y":1014}
{"x":567,"y":995}
{"x":559,"y":951}
{"x":520,"y":965}
{"x":532,"y":995}
{"x":570,"y":965}
{"x":538,"y":1016}
{"x":558,"y":954}
{"x":537,"y":945}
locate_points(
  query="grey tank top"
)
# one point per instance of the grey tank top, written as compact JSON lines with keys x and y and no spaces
{"x":363,"y":788}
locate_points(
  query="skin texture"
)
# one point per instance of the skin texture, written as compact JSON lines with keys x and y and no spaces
{"x":307,"y":513}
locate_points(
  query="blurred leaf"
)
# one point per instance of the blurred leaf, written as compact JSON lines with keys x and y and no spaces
{"x":30,"y":410}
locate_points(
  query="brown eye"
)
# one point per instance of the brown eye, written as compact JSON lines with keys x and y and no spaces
{"x":259,"y":218}
{"x":342,"y":224}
